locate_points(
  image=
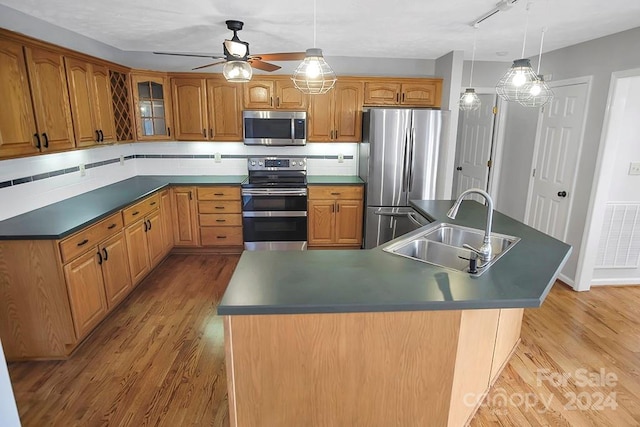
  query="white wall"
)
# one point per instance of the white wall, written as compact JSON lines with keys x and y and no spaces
{"x":322,"y":160}
{"x":8,"y":411}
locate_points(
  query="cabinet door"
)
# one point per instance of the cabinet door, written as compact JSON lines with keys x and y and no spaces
{"x":152,"y":107}
{"x":289,"y":97}
{"x":103,"y":103}
{"x":167,"y":223}
{"x":155,"y":243}
{"x":190,"y":108}
{"x":348,"y":111}
{"x":185,"y":221}
{"x":17,"y":125}
{"x":381,"y":93}
{"x":137,"y":250}
{"x":115,"y":269}
{"x":348,"y":222}
{"x":224,"y":101}
{"x":320,"y":118}
{"x":80,"y":94}
{"x":50,"y":99}
{"x":258,"y":95}
{"x":419,"y":94}
{"x":86,"y":291}
{"x":321,"y":222}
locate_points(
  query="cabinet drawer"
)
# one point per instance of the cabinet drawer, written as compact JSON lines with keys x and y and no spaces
{"x":77,"y":244}
{"x":140,"y":209}
{"x":340,"y":192}
{"x":220,"y":220}
{"x":221,"y":236}
{"x":222,"y":206}
{"x":219,"y":193}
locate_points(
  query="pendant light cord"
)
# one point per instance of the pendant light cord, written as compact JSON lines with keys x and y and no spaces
{"x":314,"y":23}
{"x":526,"y":29}
{"x":473,"y":55}
{"x":544,"y":30}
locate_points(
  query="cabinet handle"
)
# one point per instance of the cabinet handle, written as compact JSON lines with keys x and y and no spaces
{"x":335,"y":194}
{"x":135,"y":213}
{"x":145,"y":227}
{"x":152,"y":203}
{"x":149,"y":221}
{"x":37,"y":140}
{"x":97,"y":136}
{"x":403,"y":97}
{"x":277,"y":101}
{"x":46,"y":140}
{"x":333,"y":208}
{"x":219,"y":207}
{"x":106,"y":254}
{"x":210,"y":132}
{"x":221,"y":220}
{"x":218,"y":194}
{"x":168,"y":131}
{"x":271,"y":101}
{"x":204,"y":132}
{"x":84,"y":242}
{"x":397,"y":97}
{"x":111,"y":227}
{"x":221,"y":237}
{"x":337,"y":208}
{"x":101,"y":136}
{"x":190,"y":196}
{"x":99,"y":258}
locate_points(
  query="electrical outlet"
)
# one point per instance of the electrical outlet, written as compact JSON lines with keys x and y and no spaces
{"x":121,"y":160}
{"x":218,"y":157}
{"x":340,"y":158}
{"x":634,"y":168}
{"x":83,"y":172}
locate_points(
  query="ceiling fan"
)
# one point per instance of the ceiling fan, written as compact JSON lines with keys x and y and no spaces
{"x":237,"y":59}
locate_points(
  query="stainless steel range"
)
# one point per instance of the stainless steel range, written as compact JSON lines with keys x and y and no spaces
{"x":274,"y":204}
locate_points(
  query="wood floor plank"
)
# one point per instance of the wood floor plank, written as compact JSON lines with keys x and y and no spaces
{"x":158,"y":359}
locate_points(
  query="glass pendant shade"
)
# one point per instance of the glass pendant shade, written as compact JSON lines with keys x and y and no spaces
{"x":539,"y":93}
{"x":512,"y":86}
{"x":314,"y":75}
{"x":469,"y":101}
{"x":237,"y":71}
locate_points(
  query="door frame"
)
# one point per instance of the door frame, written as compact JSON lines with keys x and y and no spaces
{"x":497,"y":143}
{"x":560,"y":83}
{"x":605,"y":162}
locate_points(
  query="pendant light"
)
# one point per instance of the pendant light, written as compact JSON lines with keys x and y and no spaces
{"x":469,"y":101}
{"x":539,"y":93}
{"x":511,"y":86}
{"x":237,"y":71}
{"x":314,"y":75}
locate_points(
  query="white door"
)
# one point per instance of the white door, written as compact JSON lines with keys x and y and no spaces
{"x":558,"y":145}
{"x":473,"y":151}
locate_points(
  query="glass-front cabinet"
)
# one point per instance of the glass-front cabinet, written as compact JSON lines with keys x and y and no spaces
{"x":152,"y":106}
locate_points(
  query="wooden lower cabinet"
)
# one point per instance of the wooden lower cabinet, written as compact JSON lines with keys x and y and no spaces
{"x":335,"y":216}
{"x":185,"y":219}
{"x":115,"y":269}
{"x":139,"y":263}
{"x":167,"y":220}
{"x":220,"y":216}
{"x":155,"y":239}
{"x":86,"y":291}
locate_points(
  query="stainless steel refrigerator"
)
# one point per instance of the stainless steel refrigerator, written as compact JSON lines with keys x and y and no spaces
{"x":398,"y":162}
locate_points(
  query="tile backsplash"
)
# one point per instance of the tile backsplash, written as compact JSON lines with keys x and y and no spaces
{"x":33,"y":182}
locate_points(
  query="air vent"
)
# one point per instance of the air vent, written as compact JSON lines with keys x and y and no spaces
{"x":620,"y":239}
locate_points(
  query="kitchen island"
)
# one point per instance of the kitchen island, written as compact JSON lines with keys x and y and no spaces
{"x":370,"y":338}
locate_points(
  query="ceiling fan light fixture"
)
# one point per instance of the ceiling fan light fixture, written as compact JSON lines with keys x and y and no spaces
{"x":469,"y":101}
{"x":237,"y":71}
{"x":313,"y":75}
{"x":236,"y":48}
{"x":512,"y":86}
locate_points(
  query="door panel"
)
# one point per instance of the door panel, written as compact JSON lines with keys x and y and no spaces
{"x":288,"y":97}
{"x":185,"y":225}
{"x":115,"y":269}
{"x":556,"y":160}
{"x":225,"y":112}
{"x":258,"y":95}
{"x":189,"y":100}
{"x":348,"y":111}
{"x":17,"y":125}
{"x":103,"y":103}
{"x":137,"y":250}
{"x":50,"y":99}
{"x":475,"y":136}
{"x":320,"y":118}
{"x":349,"y":222}
{"x":321,"y":222}
{"x":80,"y":93}
{"x":154,"y":238}
{"x":167,"y":222}
{"x":425,"y":129}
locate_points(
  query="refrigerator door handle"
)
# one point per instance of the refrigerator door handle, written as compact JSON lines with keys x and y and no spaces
{"x":410,"y":167}
{"x":405,"y":149}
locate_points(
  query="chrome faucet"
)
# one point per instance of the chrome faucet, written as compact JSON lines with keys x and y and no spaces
{"x":485,"y":251}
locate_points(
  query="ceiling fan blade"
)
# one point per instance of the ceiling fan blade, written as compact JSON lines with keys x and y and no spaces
{"x":209,"y":65}
{"x":264,"y":66}
{"x":189,"y":54}
{"x":286,"y":56}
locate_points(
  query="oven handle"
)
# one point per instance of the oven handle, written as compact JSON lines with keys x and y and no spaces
{"x":274,"y":192}
{"x":273,"y":214}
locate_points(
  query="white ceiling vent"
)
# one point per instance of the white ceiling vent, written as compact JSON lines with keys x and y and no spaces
{"x":501,"y":6}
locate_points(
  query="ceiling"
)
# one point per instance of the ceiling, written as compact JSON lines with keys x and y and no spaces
{"x":424,"y":29}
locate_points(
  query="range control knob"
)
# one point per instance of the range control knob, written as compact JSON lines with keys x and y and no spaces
{"x":260,"y":163}
{"x":293,"y":163}
{"x":253,"y":163}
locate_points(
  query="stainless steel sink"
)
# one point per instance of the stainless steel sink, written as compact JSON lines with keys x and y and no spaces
{"x":442,"y":244}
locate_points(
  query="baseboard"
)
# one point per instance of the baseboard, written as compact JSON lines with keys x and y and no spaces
{"x":221,"y":250}
{"x":566,"y":280}
{"x":616,"y":282}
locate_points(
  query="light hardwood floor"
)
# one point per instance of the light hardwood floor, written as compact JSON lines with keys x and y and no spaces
{"x":159,"y":360}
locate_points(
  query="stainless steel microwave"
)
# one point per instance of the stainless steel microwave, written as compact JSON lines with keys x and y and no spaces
{"x":275,"y":127}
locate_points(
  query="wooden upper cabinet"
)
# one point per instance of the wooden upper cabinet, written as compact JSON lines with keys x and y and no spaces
{"x":224,"y":105}
{"x":419,"y":92}
{"x":337,"y":115}
{"x":152,"y":106}
{"x":190,"y":108}
{"x":17,"y":124}
{"x":91,"y":103}
{"x":50,"y":96}
{"x":274,"y":93}
{"x":385,"y":93}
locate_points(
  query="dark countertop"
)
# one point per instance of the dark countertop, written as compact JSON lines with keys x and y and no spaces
{"x":335,"y":281}
{"x":334,"y":180}
{"x":63,"y":218}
